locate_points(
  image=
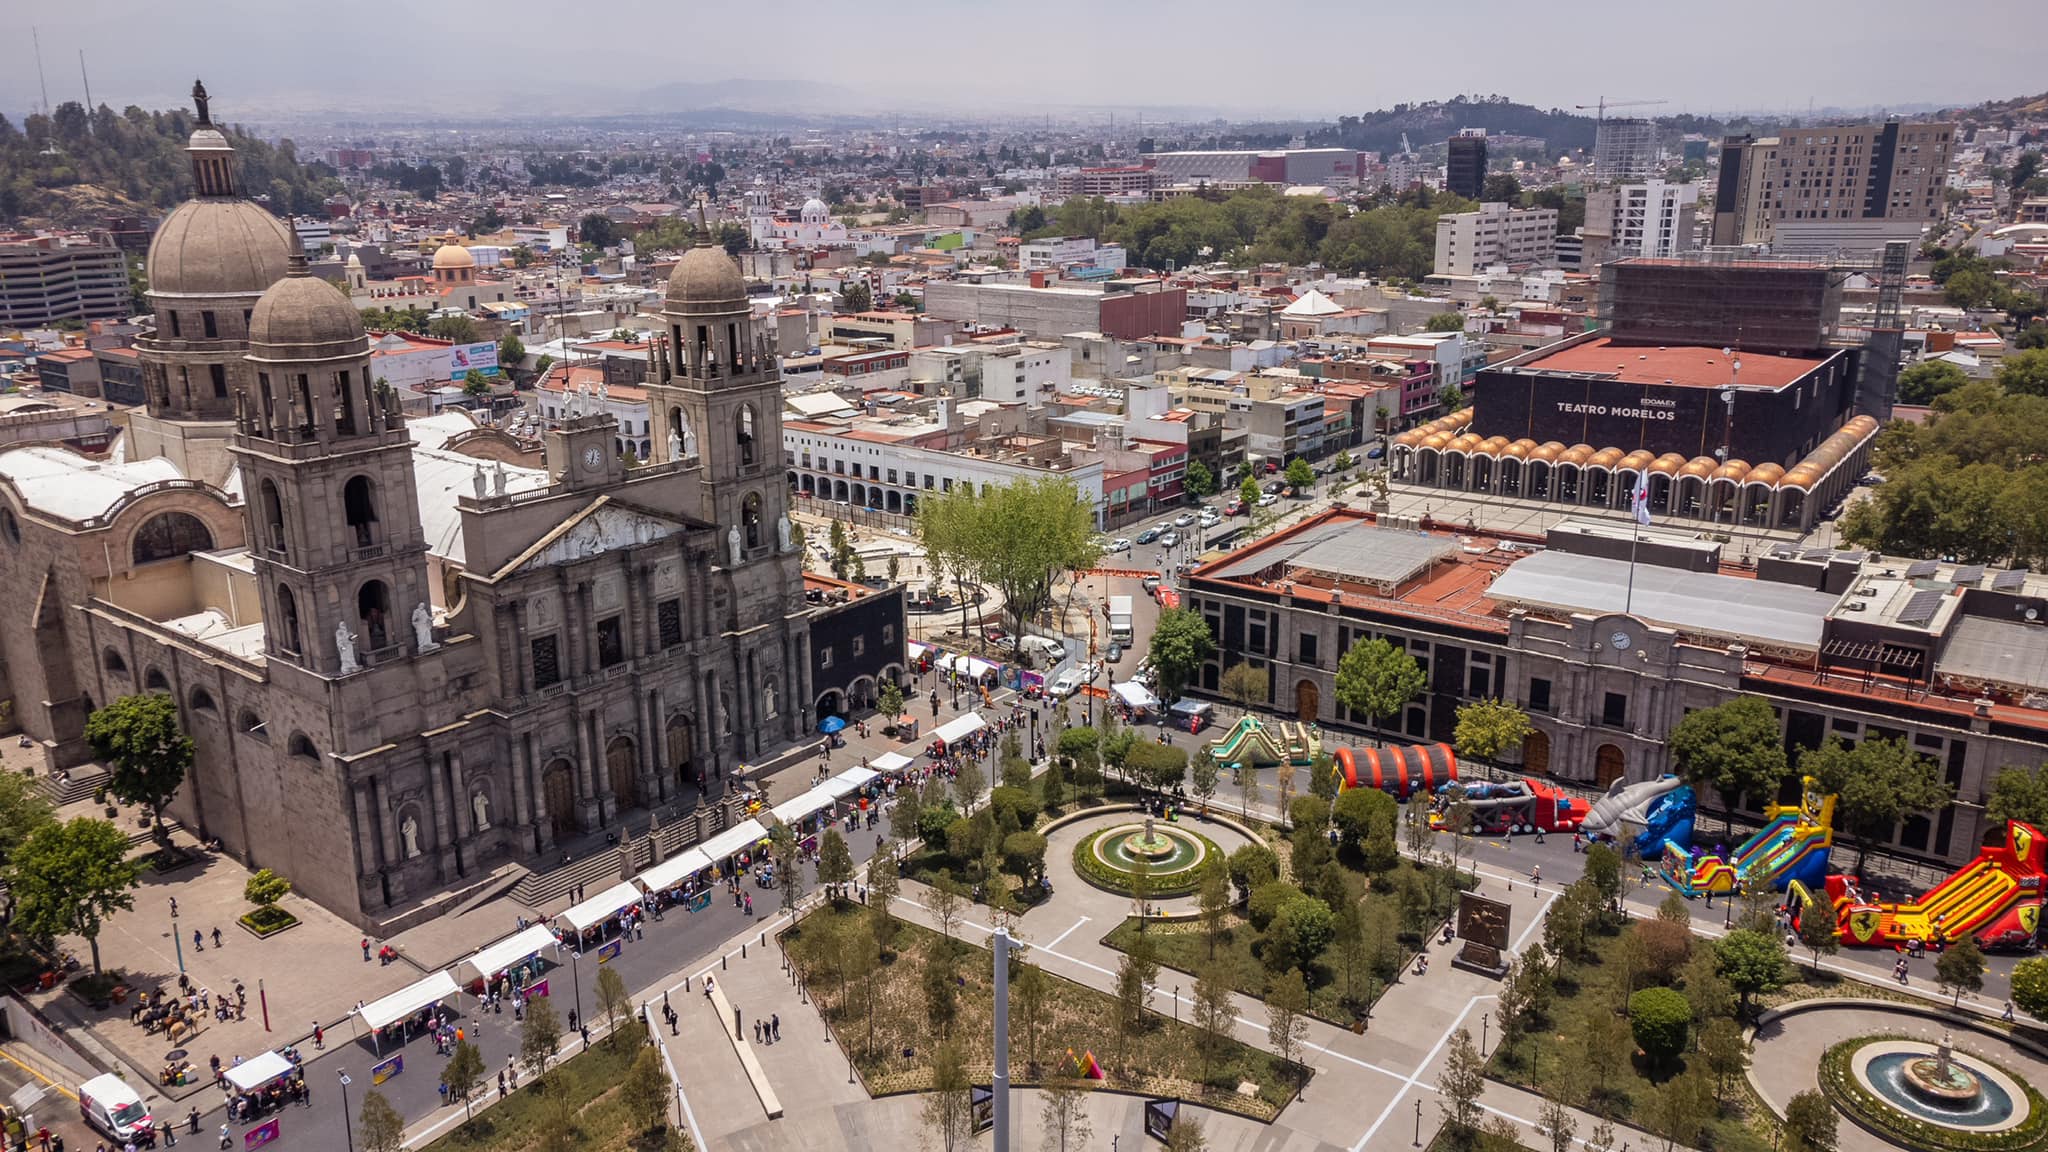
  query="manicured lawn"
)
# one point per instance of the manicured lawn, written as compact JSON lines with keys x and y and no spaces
{"x":891,"y":1044}
{"x":589,"y":1081}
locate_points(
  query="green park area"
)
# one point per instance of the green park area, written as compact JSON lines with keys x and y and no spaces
{"x":616,"y":1094}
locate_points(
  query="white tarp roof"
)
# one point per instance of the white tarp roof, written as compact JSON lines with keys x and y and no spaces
{"x":1759,"y":612}
{"x":976,"y":667}
{"x":960,"y":726}
{"x":945,"y":661}
{"x":916,"y":650}
{"x":1136,"y":694}
{"x":851,"y":779}
{"x":406,"y":1001}
{"x":495,"y":958}
{"x":799,"y":807}
{"x":674,"y":870}
{"x":742,"y":835}
{"x":257,"y":1071}
{"x":891,"y":762}
{"x":601,"y":907}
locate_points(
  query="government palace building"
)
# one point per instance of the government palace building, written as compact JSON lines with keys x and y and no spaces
{"x":405,"y":658}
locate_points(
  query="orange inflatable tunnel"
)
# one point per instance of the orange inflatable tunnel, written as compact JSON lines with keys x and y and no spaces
{"x":1400,"y":770}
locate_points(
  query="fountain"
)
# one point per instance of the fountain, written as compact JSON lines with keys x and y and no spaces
{"x":1168,"y":856}
{"x":1938,"y":1087}
{"x":1939,"y":1079}
{"x":1149,"y":844}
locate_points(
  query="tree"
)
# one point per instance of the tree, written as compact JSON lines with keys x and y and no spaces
{"x":1735,"y":747}
{"x":1809,"y":1123}
{"x":612,"y":999}
{"x":68,"y":878}
{"x":1204,"y":775}
{"x":379,"y":1125}
{"x":857,"y":295}
{"x":560,"y":1124}
{"x":1030,"y":998}
{"x":890,"y":700}
{"x":458,"y":328}
{"x":1554,"y":1116}
{"x":266,"y":888}
{"x":1301,"y":928}
{"x":1501,"y":188}
{"x":511,"y":351}
{"x":1960,"y":969}
{"x":835,"y":864}
{"x":2019,"y":794}
{"x":1487,"y":728}
{"x":146,"y":753}
{"x":1660,"y":1019}
{"x":1875,"y":784}
{"x":1922,"y":382}
{"x":1360,"y":813}
{"x":1604,"y":1043}
{"x":1287,"y":1014}
{"x":1252,"y":866}
{"x":1248,"y":491}
{"x":1214,"y":902}
{"x":1180,"y":644}
{"x":1300,"y":476}
{"x":789,"y":871}
{"x":23,"y":809}
{"x":1133,"y":994}
{"x":1214,"y":1014}
{"x":597,"y":228}
{"x":1198,"y":482}
{"x":1679,"y":1109}
{"x":539,"y":1035}
{"x":646,"y":1090}
{"x":1459,"y":1085}
{"x":1752,"y":962}
{"x":1019,"y":538}
{"x":1063,"y":1117}
{"x":2030,"y":986}
{"x":2025,"y":373}
{"x":1445,"y":322}
{"x":1378,"y":679}
{"x":1726,"y":1054}
{"x":1818,"y":932}
{"x":464,"y":1071}
{"x":1245,"y":685}
{"x":1187,"y":1135}
{"x":949,"y":1104}
{"x":943,"y":902}
{"x":941,"y":998}
{"x":1564,"y":929}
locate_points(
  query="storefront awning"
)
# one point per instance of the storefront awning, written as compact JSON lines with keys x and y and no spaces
{"x":852,"y":780}
{"x":601,"y":907}
{"x":496,"y":958}
{"x":402,"y":1003}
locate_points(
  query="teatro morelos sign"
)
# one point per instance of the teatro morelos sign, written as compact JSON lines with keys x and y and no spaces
{"x":1646,"y":409}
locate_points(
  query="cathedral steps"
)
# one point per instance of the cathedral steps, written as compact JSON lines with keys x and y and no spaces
{"x":598,"y":865}
{"x":83,"y":779}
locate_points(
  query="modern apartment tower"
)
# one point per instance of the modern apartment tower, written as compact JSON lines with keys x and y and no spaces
{"x":1465,"y":171}
{"x":1848,"y":188}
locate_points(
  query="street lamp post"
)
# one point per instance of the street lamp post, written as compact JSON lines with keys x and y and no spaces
{"x":1485,"y":1018}
{"x":576,"y":980}
{"x":1418,"y":1121}
{"x":347,"y":1125}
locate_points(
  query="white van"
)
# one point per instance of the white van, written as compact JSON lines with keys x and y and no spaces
{"x":1043,"y":648}
{"x":115,"y":1110}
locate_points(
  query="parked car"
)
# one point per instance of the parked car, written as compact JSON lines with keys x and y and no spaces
{"x":1234,"y":508}
{"x":1171,"y":539}
{"x":1184,"y":519}
{"x":1375,"y":452}
{"x":1148,"y":535}
{"x":1115,"y":654}
{"x":1268,"y":500}
{"x":1120,"y":544}
{"x":1209,"y":518}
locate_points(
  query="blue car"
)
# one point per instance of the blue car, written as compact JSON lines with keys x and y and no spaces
{"x":1148,"y":535}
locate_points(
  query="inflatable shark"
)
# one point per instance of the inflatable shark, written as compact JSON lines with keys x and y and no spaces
{"x":1625,"y":809}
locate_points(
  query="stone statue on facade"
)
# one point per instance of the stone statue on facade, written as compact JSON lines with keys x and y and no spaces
{"x":783,"y":533}
{"x":345,"y":646}
{"x":481,"y":805}
{"x":423,"y":626}
{"x":675,"y":444}
{"x":732,"y":544}
{"x":497,"y":477}
{"x":476,"y":481}
{"x":410,"y":832}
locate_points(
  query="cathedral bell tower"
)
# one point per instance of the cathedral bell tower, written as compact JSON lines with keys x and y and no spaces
{"x":716,"y":400}
{"x":334,"y":528}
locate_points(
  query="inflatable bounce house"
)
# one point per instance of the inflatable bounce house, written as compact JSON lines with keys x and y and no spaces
{"x":1252,"y":743}
{"x":1995,"y":897}
{"x":1792,"y":845}
{"x":1525,"y":805}
{"x":1398,"y":770}
{"x":1643,"y":816}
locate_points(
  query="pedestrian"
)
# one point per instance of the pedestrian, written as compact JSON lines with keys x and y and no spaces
{"x":198,"y":942}
{"x":174,"y":907}
{"x":757,"y":1031}
{"x":1536,"y":874}
{"x":444,"y":1093}
{"x":319,"y":1036}
{"x":2007,"y":1014}
{"x":775,"y":1024}
{"x":366,"y":949}
{"x":750,"y":903}
{"x":216,"y":937}
{"x":501,"y":1084}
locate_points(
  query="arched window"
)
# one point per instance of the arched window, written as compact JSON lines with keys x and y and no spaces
{"x":169,"y":534}
{"x":114,"y":663}
{"x":273,"y":516}
{"x":750,"y":518}
{"x":155,"y":682}
{"x":746,"y":434}
{"x":359,"y":506}
{"x":287,"y":620}
{"x":202,"y":700}
{"x":10,"y":526}
{"x":300,"y":746}
{"x":373,"y":608}
{"x":251,"y":724}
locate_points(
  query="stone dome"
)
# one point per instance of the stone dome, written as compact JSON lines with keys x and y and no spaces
{"x":304,"y":318}
{"x":453,"y":255}
{"x":706,"y":280}
{"x":218,"y":247}
{"x":815,"y":207}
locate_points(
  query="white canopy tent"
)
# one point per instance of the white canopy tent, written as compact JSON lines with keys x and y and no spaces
{"x":916,"y":650}
{"x":601,"y":907}
{"x":742,"y":835}
{"x":495,"y":958}
{"x":803,"y":807}
{"x":960,"y":727}
{"x":254,"y":1073}
{"x":945,"y":661}
{"x":1136,"y":695}
{"x":674,"y":870}
{"x":850,"y":781}
{"x":891,"y":762}
{"x":975,"y":667}
{"x":408,"y":1000}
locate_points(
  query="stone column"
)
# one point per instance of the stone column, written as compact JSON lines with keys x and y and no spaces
{"x":664,"y":767}
{"x":522,"y":650}
{"x":521,"y":814}
{"x":587,"y":807}
{"x":444,"y":834}
{"x":645,"y":745}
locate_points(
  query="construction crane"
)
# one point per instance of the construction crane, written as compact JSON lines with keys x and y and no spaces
{"x":1600,"y":109}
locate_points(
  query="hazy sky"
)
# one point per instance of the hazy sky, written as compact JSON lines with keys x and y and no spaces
{"x":1245,"y":56}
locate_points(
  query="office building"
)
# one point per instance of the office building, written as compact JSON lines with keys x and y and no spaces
{"x":44,"y":279}
{"x":1338,"y":167}
{"x":1124,"y":180}
{"x":1625,"y":151}
{"x":1654,"y":218}
{"x":1467,"y":243}
{"x":1465,"y":170}
{"x":1843,"y":188}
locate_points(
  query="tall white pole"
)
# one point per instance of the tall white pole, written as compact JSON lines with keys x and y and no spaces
{"x":999,"y":1084}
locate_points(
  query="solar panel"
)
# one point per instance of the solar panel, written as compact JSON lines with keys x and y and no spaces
{"x":1922,"y":569}
{"x":1920,"y":609}
{"x":2009,"y":581}
{"x":1820,"y":554}
{"x":1968,"y":574}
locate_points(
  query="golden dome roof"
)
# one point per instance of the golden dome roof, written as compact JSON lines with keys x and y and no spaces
{"x":1637,"y":460}
{"x":1437,"y":440}
{"x":1465,"y":442}
{"x":1769,"y":472}
{"x":451,"y":255}
{"x":1606,"y":458}
{"x":1547,"y":452}
{"x":1519,"y":449}
{"x":1668,"y":464}
{"x":1801,"y":476}
{"x":1493,"y":444}
{"x":1577,"y":454}
{"x":1701,"y":466}
{"x":1733,"y":470}
{"x":706,"y":280}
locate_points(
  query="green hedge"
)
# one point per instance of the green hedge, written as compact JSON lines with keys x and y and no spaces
{"x":1113,"y":880}
{"x":1838,"y":1081}
{"x":267,"y":920}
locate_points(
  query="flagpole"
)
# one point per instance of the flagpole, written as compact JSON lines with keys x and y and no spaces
{"x":1635,"y":532}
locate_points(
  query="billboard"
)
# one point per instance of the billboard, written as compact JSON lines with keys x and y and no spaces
{"x":466,"y":358}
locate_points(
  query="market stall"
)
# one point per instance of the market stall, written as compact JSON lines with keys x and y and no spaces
{"x":515,"y":951}
{"x":955,"y":730}
{"x":889,"y":763}
{"x":405,"y":1007}
{"x":590,"y":915}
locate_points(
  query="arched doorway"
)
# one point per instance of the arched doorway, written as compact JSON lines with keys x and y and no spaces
{"x":1536,"y":752}
{"x":1609,"y":765}
{"x":1307,"y":701}
{"x":558,"y":786}
{"x":830,"y":703}
{"x":680,"y":751}
{"x":622,"y":769}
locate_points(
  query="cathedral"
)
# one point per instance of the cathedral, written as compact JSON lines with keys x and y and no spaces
{"x":405,"y":659}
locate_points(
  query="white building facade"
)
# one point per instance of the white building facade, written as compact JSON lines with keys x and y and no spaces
{"x":1469,"y":242}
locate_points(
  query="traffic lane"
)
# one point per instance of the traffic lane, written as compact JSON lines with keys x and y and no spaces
{"x":56,"y":1111}
{"x":672,"y":946}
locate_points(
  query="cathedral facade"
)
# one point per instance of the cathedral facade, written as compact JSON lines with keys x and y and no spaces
{"x":404,"y":666}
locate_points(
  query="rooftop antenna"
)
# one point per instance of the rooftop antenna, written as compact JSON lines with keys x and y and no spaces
{"x":40,"y":78}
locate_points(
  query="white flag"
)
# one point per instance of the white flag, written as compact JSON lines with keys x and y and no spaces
{"x":1639,"y":501}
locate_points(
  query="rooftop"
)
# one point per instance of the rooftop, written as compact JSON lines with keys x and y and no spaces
{"x":1689,"y":366}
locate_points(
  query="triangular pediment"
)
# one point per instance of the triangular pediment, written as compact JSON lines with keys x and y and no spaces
{"x":602,"y":526}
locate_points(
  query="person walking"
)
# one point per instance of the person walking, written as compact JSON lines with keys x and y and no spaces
{"x":216,"y":937}
{"x":319,"y":1036}
{"x":198,"y":941}
{"x":775,"y":1024}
